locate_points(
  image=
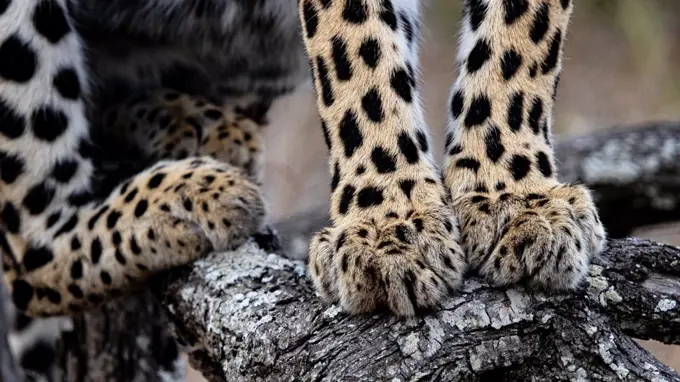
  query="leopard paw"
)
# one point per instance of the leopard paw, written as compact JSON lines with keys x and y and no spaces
{"x":543,"y":239}
{"x":403,"y":264}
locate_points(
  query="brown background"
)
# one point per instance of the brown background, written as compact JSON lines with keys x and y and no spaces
{"x":621,"y":66}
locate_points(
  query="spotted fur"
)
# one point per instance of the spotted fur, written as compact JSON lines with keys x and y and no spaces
{"x":395,"y":240}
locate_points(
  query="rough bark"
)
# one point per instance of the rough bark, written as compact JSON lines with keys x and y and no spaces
{"x":258,"y":318}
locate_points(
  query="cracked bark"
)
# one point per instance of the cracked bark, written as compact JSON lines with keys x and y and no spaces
{"x":258,"y":318}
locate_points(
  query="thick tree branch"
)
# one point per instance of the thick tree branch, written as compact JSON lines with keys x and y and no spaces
{"x":259,"y":319}
{"x":634,"y":172}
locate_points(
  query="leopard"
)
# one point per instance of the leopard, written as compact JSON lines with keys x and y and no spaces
{"x":130,"y":144}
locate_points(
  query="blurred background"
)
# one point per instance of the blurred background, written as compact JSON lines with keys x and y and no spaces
{"x":621,"y":66}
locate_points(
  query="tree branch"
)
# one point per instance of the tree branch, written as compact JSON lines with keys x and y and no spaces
{"x":259,"y":319}
{"x":633,"y":171}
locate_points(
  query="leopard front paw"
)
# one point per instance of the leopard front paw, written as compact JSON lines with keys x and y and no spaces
{"x":402,"y":263}
{"x":543,"y":239}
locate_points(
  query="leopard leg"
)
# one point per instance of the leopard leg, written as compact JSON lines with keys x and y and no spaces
{"x":392,"y":241}
{"x":518,"y":222}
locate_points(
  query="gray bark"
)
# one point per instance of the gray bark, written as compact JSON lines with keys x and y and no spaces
{"x":257,"y":317}
{"x":259,"y":320}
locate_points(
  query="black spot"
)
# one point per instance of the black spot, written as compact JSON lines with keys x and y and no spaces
{"x":519,"y":166}
{"x":355,"y":11}
{"x":105,"y":277}
{"x":93,"y":220}
{"x":550,"y":61}
{"x":533,"y":69}
{"x":336,"y":177}
{"x":213,"y":114}
{"x":408,"y":27}
{"x":372,"y":105}
{"x":141,"y":207}
{"x":540,"y":24}
{"x":53,"y":219}
{"x":17,"y":60}
{"x":22,"y":293}
{"x":67,"y":227}
{"x":48,"y":123}
{"x":350,"y":135}
{"x":67,"y":84}
{"x":384,"y":162}
{"x":544,"y":165}
{"x":346,"y":199}
{"x":457,"y":103}
{"x":96,"y":250}
{"x":407,"y":187}
{"x":516,"y":111}
{"x":480,"y":54}
{"x":370,"y":52}
{"x":343,"y":68}
{"x":49,"y":20}
{"x":422,"y":140}
{"x":494,"y":146}
{"x":514,"y":9}
{"x":10,"y":218}
{"x":510,"y":63}
{"x":35,"y":258}
{"x":326,"y":134}
{"x":407,"y":147}
{"x":12,"y":124}
{"x":556,"y":84}
{"x":480,"y":110}
{"x":156,"y":180}
{"x":401,"y":84}
{"x":500,"y":186}
{"x":77,"y":270}
{"x":75,"y":243}
{"x":369,"y":196}
{"x":310,"y":17}
{"x":134,"y":246}
{"x":455,"y":150}
{"x":469,"y":163}
{"x":64,"y":170}
{"x":112,"y":219}
{"x":75,"y":291}
{"x":326,"y":89}
{"x":535,"y":115}
{"x":565,"y":3}
{"x":120,"y":258}
{"x":476,"y":9}
{"x":38,"y":198}
{"x":187,"y":204}
{"x":131,"y":195}
{"x":387,"y":14}
{"x":402,"y":233}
